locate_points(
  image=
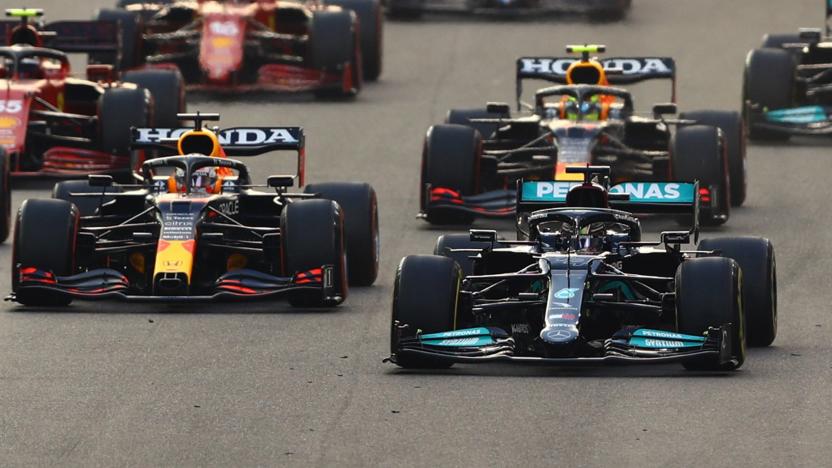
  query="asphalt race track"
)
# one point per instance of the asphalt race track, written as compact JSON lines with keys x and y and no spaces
{"x":114,"y":384}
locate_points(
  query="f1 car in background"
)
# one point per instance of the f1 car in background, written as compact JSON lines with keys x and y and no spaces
{"x":470,"y":164}
{"x":195,"y":227}
{"x":329,"y":48}
{"x":54,"y":124}
{"x":581,"y":287}
{"x":608,"y":10}
{"x":787,"y":86}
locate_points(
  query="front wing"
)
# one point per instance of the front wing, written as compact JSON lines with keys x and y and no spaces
{"x":478,"y":345}
{"x":803,"y":120}
{"x":106,"y":283}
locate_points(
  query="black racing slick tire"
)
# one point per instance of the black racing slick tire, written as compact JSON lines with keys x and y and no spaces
{"x":425,"y":300}
{"x":465,"y":117}
{"x":371,"y":21}
{"x":768,"y":84}
{"x":45,"y":237}
{"x":709,"y":294}
{"x":87,"y":206}
{"x":755,"y":257}
{"x":360,"y":206}
{"x":450,"y":160}
{"x":130,"y":28}
{"x":119,"y":109}
{"x":699,"y":154}
{"x":446,"y":243}
{"x":730,"y":122}
{"x":331,"y":46}
{"x":168,"y":90}
{"x":5,"y":197}
{"x":312,"y":234}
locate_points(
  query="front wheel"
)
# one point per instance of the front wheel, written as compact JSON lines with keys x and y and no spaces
{"x":313,"y":236}
{"x":709,"y":294}
{"x":425,"y":296}
{"x":45,"y":237}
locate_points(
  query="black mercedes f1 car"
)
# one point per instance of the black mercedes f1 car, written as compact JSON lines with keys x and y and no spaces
{"x":196,"y":228}
{"x":787,"y":86}
{"x":471,"y":162}
{"x":580,"y":287}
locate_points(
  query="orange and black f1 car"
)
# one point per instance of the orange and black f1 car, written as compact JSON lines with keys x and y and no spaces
{"x":194,"y":227}
{"x":269,"y":45}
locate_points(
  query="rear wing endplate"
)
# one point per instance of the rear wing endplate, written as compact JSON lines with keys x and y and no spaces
{"x":73,"y":36}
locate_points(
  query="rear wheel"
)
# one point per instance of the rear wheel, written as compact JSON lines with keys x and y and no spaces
{"x":425,"y":296}
{"x":448,"y":242}
{"x":5,"y":197}
{"x":769,"y":83}
{"x":755,"y":257}
{"x":313,"y":236}
{"x":360,"y":205}
{"x":733,"y":129}
{"x":450,"y":160}
{"x":709,"y":294}
{"x":465,"y":117}
{"x":698,"y":154}
{"x":331,"y":47}
{"x":168,"y":90}
{"x":44,"y":238}
{"x":119,"y":109}
{"x":87,"y":206}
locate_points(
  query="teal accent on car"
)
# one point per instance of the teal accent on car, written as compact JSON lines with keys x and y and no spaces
{"x":639,"y":192}
{"x":462,"y":333}
{"x":797,"y":115}
{"x":668,"y":335}
{"x":461,"y":342}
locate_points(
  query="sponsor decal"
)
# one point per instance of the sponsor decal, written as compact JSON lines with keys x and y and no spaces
{"x":520,"y":328}
{"x":646,"y":332}
{"x":229,"y":208}
{"x":178,"y":226}
{"x":546,"y":191}
{"x":558,"y":335}
{"x":623,"y":66}
{"x":231,"y":136}
{"x":655,"y":192}
{"x":11,"y":106}
{"x":654,"y":343}
{"x":566,"y":316}
{"x":224,"y":28}
{"x":457,"y":333}
{"x":9,"y":122}
{"x":566,"y":293}
{"x":461,"y":342}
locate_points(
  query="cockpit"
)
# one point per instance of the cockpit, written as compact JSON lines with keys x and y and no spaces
{"x":588,"y":231}
{"x":583,"y":103}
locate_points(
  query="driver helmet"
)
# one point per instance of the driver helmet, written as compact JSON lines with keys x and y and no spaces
{"x":591,"y":238}
{"x":204,"y":180}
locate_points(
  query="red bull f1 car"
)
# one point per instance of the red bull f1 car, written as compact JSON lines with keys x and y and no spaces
{"x":328,"y":48}
{"x":579,"y":286}
{"x":471,"y":163}
{"x":194,"y":227}
{"x":787,"y":86}
{"x":597,"y":9}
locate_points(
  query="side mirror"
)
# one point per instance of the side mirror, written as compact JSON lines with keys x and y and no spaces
{"x":675,"y":237}
{"x":483,"y":235}
{"x":101,"y":73}
{"x":667,"y":108}
{"x":280,"y":181}
{"x":100,"y":180}
{"x":501,"y":108}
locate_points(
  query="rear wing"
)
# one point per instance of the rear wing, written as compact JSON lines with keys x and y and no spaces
{"x":674,"y":198}
{"x":620,"y":70}
{"x":235,"y":142}
{"x":72,"y":36}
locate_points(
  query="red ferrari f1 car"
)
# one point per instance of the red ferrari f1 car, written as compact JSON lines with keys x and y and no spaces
{"x":54,"y":124}
{"x":254,"y":45}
